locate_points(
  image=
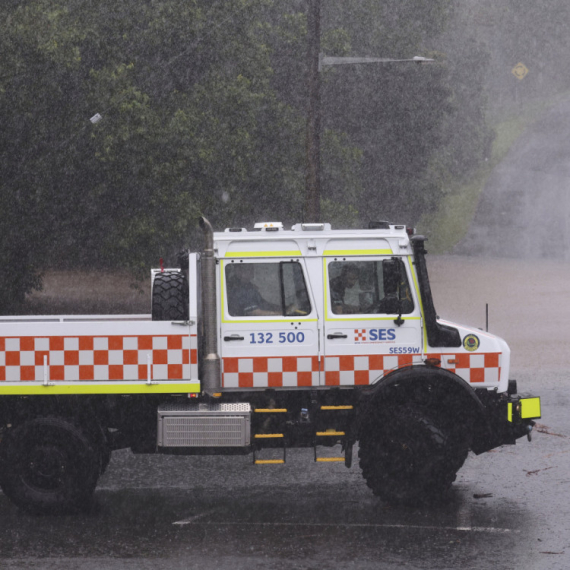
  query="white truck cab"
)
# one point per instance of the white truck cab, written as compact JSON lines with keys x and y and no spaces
{"x":334,"y":308}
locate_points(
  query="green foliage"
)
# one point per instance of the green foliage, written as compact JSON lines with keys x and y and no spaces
{"x":203,"y":105}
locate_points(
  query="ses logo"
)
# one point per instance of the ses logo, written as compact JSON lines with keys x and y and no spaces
{"x":374,"y":335}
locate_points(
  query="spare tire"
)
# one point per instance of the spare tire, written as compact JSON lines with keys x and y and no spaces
{"x":170,"y":297}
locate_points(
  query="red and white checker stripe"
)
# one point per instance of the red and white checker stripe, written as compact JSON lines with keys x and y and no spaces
{"x":359,"y":335}
{"x":72,"y":358}
{"x":473,"y":367}
{"x":364,"y":370}
{"x":278,"y":372}
{"x":293,"y":371}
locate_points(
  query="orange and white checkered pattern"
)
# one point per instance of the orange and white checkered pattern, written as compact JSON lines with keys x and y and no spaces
{"x":303,"y":371}
{"x":473,"y":367}
{"x":364,"y":370}
{"x":359,"y":335}
{"x":278,"y":372}
{"x":173,"y":357}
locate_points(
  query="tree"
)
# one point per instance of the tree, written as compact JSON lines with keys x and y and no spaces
{"x":203,"y":111}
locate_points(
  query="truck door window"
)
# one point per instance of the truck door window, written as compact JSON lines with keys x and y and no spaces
{"x":369,"y":287}
{"x":261,"y":289}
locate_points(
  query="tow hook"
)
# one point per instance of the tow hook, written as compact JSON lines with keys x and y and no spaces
{"x":529,"y":431}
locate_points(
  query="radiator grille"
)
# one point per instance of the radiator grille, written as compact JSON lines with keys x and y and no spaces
{"x":203,"y":432}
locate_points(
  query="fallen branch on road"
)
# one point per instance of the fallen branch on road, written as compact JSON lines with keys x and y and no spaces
{"x":541,"y":428}
{"x":537,"y":471}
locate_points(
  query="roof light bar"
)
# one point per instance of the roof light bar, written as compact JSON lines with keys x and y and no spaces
{"x":271,"y":226}
{"x":312,"y":227}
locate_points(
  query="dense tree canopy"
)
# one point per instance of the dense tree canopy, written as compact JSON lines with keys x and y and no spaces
{"x":203,"y":111}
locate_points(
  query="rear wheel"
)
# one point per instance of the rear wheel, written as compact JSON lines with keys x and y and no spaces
{"x":169,"y":297}
{"x":48,"y":465}
{"x":409,"y":458}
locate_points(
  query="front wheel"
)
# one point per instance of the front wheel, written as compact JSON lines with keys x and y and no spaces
{"x":48,"y":465}
{"x":408,"y":459}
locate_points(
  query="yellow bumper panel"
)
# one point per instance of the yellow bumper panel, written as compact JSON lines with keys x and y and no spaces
{"x":72,"y":388}
{"x":530,"y":408}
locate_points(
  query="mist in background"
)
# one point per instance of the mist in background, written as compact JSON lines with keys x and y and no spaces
{"x":122,"y":122}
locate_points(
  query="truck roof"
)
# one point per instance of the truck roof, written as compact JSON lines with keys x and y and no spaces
{"x":272,"y":240}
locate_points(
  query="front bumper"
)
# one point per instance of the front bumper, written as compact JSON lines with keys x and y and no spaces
{"x":521,"y":413}
{"x":509,"y":417}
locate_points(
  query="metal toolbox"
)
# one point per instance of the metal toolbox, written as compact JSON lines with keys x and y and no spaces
{"x":204,"y":425}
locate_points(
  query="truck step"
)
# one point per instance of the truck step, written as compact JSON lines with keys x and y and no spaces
{"x":267,"y":435}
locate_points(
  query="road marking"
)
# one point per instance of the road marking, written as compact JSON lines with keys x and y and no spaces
{"x":191,"y":520}
{"x":356,"y":525}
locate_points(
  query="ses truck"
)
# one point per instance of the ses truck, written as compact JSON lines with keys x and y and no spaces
{"x":266,"y":341}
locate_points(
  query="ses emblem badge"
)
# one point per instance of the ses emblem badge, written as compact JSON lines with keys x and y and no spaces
{"x":471,"y":342}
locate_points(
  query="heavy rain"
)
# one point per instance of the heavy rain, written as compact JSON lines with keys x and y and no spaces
{"x":124,"y":122}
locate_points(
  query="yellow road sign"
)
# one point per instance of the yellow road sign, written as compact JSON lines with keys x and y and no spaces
{"x":520,"y":71}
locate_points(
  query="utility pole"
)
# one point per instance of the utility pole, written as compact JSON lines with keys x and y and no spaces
{"x":312,"y":209}
{"x":316,"y":61}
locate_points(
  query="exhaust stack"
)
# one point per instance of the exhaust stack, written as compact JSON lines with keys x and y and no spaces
{"x":211,"y":383}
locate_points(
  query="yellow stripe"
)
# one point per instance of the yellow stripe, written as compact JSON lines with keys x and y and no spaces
{"x":65,"y":388}
{"x":286,"y":319}
{"x":530,"y":408}
{"x":325,"y":284}
{"x":326,"y":433}
{"x":268,"y":461}
{"x":293,"y":253}
{"x":337,"y":407}
{"x":270,"y":410}
{"x":329,"y":459}
{"x":359,"y":317}
{"x":222,"y":289}
{"x":358,"y":252}
{"x":267,"y":435}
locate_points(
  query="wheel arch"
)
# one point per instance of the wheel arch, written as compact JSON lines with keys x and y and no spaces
{"x":85,"y":412}
{"x":430,"y":388}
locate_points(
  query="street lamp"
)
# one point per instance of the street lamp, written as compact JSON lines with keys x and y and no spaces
{"x":312,"y":210}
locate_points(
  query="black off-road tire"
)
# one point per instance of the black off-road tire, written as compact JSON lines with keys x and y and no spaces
{"x":49,"y":466}
{"x":169,"y":297}
{"x":408,"y":459}
{"x":105,"y":455}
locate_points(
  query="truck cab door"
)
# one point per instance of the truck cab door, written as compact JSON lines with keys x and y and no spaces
{"x":269,"y":333}
{"x":372,"y":319}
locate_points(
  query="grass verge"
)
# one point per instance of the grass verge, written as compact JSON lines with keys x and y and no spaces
{"x":448,"y":225}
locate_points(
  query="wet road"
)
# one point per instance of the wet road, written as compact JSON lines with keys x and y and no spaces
{"x":524,"y":210}
{"x":508,"y":509}
{"x":173,"y":512}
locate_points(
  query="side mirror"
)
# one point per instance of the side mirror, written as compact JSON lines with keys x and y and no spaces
{"x":391,"y":274}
